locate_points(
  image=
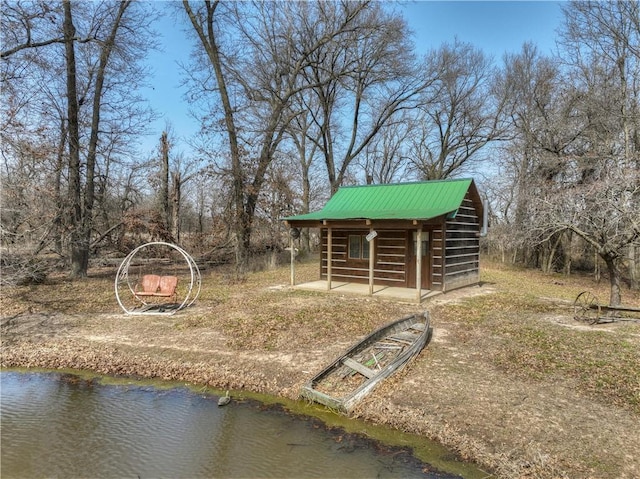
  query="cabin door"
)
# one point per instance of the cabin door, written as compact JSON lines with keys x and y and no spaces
{"x":412,"y":260}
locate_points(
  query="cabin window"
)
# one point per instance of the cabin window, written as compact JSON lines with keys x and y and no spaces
{"x":425,"y":243}
{"x":358,"y":247}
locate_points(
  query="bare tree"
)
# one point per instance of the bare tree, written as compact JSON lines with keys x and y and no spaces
{"x":600,"y":47}
{"x":385,"y":158}
{"x":544,"y":124}
{"x":32,"y":155}
{"x":460,"y":113}
{"x":256,"y":85}
{"x":79,"y":261}
{"x":362,"y":83}
{"x":82,"y":204}
{"x":305,"y":136}
{"x":603,"y":213}
{"x":573,"y":160}
{"x":607,"y":34}
{"x":171,"y":172}
{"x":28,"y":26}
{"x":184,"y":170}
{"x":93,"y":50}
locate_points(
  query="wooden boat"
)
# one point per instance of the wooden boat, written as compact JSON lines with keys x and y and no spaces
{"x":353,"y":375}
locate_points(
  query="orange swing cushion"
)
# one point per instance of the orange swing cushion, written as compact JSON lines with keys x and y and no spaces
{"x":155,"y":285}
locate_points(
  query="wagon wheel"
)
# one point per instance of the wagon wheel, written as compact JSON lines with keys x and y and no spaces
{"x":586,"y":308}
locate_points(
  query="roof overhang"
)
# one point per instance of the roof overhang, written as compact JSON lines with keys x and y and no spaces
{"x":365,"y":223}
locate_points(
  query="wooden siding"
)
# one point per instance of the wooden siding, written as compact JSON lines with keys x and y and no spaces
{"x":437,"y":258}
{"x":462,"y":248}
{"x":389,"y":258}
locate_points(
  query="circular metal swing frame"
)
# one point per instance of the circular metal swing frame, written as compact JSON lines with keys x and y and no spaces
{"x":123,"y":282}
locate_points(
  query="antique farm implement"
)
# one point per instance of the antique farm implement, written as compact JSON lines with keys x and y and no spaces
{"x":587,"y":308}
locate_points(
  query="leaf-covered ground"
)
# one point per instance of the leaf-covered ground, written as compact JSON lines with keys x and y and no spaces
{"x":510,"y":379}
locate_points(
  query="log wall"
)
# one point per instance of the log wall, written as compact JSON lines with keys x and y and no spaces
{"x":437,"y":258}
{"x":389,"y":267}
{"x":462,"y":248}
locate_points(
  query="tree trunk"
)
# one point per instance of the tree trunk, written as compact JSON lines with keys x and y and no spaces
{"x":568,"y":258}
{"x":552,"y":249}
{"x":634,"y":261}
{"x":305,"y":237}
{"x":175,"y":205}
{"x":164,"y":180}
{"x":78,"y":268}
{"x":59,"y":221}
{"x":614,"y":280}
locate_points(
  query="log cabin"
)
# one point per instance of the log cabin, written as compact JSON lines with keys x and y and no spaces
{"x":423,"y":235}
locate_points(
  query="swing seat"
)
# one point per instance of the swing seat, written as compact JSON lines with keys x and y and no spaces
{"x":168,"y":286}
{"x":153,"y":285}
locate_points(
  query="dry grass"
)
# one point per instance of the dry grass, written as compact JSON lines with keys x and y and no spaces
{"x":485,"y":387}
{"x":526,"y":342}
{"x":605,"y":364}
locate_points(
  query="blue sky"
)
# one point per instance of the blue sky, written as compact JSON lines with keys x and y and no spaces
{"x":495,"y":27}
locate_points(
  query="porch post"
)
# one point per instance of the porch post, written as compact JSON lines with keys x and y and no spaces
{"x":371,"y":262}
{"x":293,"y":261}
{"x":329,"y":241}
{"x":419,"y":265}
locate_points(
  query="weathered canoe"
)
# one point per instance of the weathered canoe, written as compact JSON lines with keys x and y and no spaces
{"x":348,"y":379}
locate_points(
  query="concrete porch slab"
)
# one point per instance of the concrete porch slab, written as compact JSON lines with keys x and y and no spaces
{"x":388,"y":292}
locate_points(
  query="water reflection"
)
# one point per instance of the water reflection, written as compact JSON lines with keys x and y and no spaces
{"x":59,"y":426}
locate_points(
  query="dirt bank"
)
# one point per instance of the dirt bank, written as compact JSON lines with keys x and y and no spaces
{"x":482,"y":387}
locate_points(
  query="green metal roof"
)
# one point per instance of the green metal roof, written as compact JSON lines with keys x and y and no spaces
{"x":419,"y":201}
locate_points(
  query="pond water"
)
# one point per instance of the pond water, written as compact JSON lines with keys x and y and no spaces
{"x":58,"y":425}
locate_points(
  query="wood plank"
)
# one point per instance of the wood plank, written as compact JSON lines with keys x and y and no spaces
{"x":626,"y":309}
{"x":387,"y":346}
{"x":356,"y":366}
{"x":417,"y":326}
{"x":405,"y":335}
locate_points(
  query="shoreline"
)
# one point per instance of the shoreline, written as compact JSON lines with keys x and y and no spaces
{"x":130,"y":367}
{"x":435,"y":457}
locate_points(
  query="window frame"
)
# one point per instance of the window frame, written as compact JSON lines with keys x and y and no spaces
{"x":425,"y":243}
{"x":363,"y":246}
